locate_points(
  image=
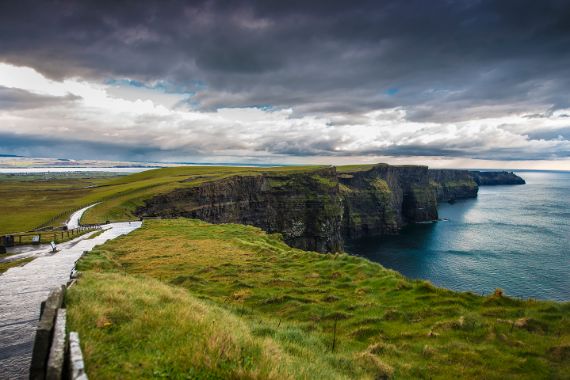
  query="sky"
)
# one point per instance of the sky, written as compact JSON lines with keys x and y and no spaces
{"x":446,"y":83}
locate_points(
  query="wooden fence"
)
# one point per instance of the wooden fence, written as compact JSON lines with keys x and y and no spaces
{"x":45,"y":236}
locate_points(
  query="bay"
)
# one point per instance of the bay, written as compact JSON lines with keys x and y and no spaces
{"x":516,"y":238}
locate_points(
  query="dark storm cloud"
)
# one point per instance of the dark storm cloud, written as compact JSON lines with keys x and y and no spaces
{"x":442,"y":57}
{"x":41,"y":146}
{"x":434,"y":73}
{"x":16,"y":99}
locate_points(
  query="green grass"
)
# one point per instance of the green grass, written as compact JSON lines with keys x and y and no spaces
{"x":355,"y":168}
{"x":141,"y":328}
{"x":187,"y":299}
{"x":16,"y":263}
{"x":30,"y":202}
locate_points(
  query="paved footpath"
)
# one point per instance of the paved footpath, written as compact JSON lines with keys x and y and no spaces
{"x":22,"y":289}
{"x":74,"y":219}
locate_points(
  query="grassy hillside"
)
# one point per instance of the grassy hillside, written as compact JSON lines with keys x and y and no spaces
{"x":30,"y":202}
{"x":187,"y":299}
{"x":122,"y":196}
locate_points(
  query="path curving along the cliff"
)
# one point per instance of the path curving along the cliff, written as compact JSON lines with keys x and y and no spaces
{"x":75,"y":218}
{"x":22,"y":289}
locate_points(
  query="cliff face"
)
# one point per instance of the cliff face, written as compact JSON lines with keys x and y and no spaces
{"x":313,"y":210}
{"x":317,"y":210}
{"x":496,"y":178}
{"x":385,"y":198}
{"x":450,"y":185}
{"x":306,"y":208}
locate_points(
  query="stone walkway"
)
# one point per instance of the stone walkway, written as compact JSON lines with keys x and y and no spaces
{"x":22,"y":289}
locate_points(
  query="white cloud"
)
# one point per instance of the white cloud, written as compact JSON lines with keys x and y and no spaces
{"x":141,"y":118}
{"x":28,"y":79}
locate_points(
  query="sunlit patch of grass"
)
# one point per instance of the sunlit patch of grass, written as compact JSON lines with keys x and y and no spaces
{"x":381,"y":323}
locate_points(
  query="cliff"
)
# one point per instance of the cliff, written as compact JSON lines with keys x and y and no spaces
{"x":450,"y":185}
{"x":318,"y":209}
{"x":313,"y":210}
{"x":385,"y":198}
{"x":306,"y":208}
{"x":496,"y":178}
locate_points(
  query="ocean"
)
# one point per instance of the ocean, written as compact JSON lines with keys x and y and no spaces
{"x":516,"y":238}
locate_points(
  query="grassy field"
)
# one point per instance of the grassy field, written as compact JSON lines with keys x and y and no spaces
{"x":185,"y":299}
{"x":29,"y":202}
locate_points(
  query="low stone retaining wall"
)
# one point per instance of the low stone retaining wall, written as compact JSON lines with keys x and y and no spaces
{"x":55,"y":355}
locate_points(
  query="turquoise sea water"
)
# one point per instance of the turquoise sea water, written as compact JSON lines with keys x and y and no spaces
{"x":516,"y":238}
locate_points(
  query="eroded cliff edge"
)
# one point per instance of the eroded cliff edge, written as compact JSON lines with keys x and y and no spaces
{"x":318,"y":209}
{"x":496,"y":178}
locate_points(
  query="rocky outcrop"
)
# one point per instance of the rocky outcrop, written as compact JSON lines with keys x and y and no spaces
{"x":496,"y":178}
{"x":317,"y":210}
{"x":450,"y":185}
